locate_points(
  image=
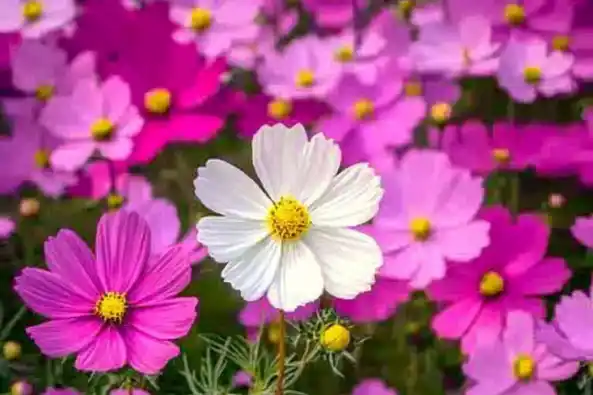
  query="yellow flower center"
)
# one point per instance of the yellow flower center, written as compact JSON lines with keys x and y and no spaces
{"x":288,"y":219}
{"x":413,"y":89}
{"x":157,"y":101}
{"x":344,"y":54}
{"x":492,"y":284}
{"x":41,"y":158}
{"x":363,"y":109}
{"x":440,"y":112}
{"x":524,"y":367}
{"x":590,"y":368}
{"x":405,"y":7}
{"x":44,"y":92}
{"x":561,"y":43}
{"x":274,"y":333}
{"x":102,"y":129}
{"x":501,"y":155}
{"x":32,"y":10}
{"x":11,"y":350}
{"x":532,"y":74}
{"x":200,"y":19}
{"x":305,"y":78}
{"x":420,"y":228}
{"x":115,"y":201}
{"x":279,"y":109}
{"x":112,"y":307}
{"x":335,"y":338}
{"x":514,"y":14}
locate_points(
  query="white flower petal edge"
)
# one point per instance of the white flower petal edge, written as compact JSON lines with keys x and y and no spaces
{"x":351,"y":199}
{"x":299,"y":279}
{"x":228,"y":238}
{"x":348,"y":259}
{"x":226,"y":190}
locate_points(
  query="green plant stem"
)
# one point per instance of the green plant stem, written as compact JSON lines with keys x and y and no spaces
{"x":281,"y":353}
{"x":514,"y":191}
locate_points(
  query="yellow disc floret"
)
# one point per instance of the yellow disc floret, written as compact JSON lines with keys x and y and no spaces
{"x":305,"y":78}
{"x":363,"y":109}
{"x":11,"y":350}
{"x":344,"y":54}
{"x":491,"y":284}
{"x":524,"y":367}
{"x":514,"y":14}
{"x":420,"y":228}
{"x":335,"y":338}
{"x":279,"y":109}
{"x":501,"y":155}
{"x":41,"y":158}
{"x":32,"y":10}
{"x":44,"y":92}
{"x":157,"y":101}
{"x":532,"y":74}
{"x":112,"y":307}
{"x":288,"y":219}
{"x":102,"y":129}
{"x":200,"y":19}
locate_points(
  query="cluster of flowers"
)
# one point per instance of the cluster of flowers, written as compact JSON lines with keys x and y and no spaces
{"x":94,"y":89}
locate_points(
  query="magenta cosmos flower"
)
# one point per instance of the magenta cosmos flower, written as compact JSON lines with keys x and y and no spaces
{"x":527,"y":68}
{"x":94,"y":117}
{"x":510,"y":274}
{"x":420,"y":225}
{"x":582,"y":230}
{"x":35,"y":18}
{"x":215,"y":25}
{"x":304,"y":69}
{"x":457,"y":50}
{"x":118,"y":308}
{"x":332,"y":14}
{"x":7,"y":226}
{"x":61,"y":391}
{"x":569,"y":335}
{"x":372,"y":387}
{"x":517,"y":364}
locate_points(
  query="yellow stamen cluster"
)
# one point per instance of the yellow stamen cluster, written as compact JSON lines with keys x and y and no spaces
{"x":305,"y":78}
{"x":363,"y":109}
{"x":440,"y":112}
{"x":288,"y":219}
{"x":200,"y":19}
{"x":157,"y":101}
{"x":102,"y":129}
{"x":335,"y":338}
{"x":112,"y":307}
{"x":279,"y":109}
{"x":44,"y":92}
{"x":561,"y":43}
{"x":524,"y":367}
{"x":405,"y":8}
{"x":532,"y":74}
{"x":115,"y":201}
{"x":491,"y":284}
{"x":502,"y":156}
{"x":514,"y":14}
{"x":413,"y":88}
{"x":32,"y":10}
{"x":420,"y":228}
{"x":11,"y":350}
{"x":41,"y":158}
{"x":344,"y":54}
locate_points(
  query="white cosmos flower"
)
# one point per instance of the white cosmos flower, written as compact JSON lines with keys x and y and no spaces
{"x":291,"y":240}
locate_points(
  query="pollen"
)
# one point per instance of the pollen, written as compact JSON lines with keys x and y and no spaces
{"x":288,"y":219}
{"x":112,"y":307}
{"x":514,"y":14}
{"x":44,"y":92}
{"x":32,"y":10}
{"x":405,"y":7}
{"x":363,"y":109}
{"x":305,"y":78}
{"x":11,"y":350}
{"x":524,"y":367}
{"x":335,"y":338}
{"x":41,"y":158}
{"x":502,"y":156}
{"x":441,"y":112}
{"x":532,"y":75}
{"x":102,"y":129}
{"x":420,"y":228}
{"x":279,"y":109}
{"x":492,"y":284}
{"x":344,"y":54}
{"x":115,"y":201}
{"x":200,"y":19}
{"x":157,"y":101}
{"x":413,"y":89}
{"x":561,"y":43}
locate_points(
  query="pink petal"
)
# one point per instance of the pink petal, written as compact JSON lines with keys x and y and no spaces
{"x":59,"y":338}
{"x":552,"y":368}
{"x":72,"y":156}
{"x":123,"y":248}
{"x":163,"y":221}
{"x":535,"y":388}
{"x":485,"y":330}
{"x":11,"y":18}
{"x":106,"y":353}
{"x":454,"y":321}
{"x":465,"y":242}
{"x":582,"y":230}
{"x":143,"y":360}
{"x":519,"y":333}
{"x":116,"y":98}
{"x":574,"y":316}
{"x":165,"y":320}
{"x":118,"y":149}
{"x":546,"y":277}
{"x":490,"y":369}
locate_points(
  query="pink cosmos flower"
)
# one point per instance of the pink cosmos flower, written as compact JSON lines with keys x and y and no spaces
{"x":380,"y":116}
{"x":457,"y":50}
{"x":420,"y":225}
{"x":304,"y":69}
{"x":579,"y":42}
{"x":517,"y":364}
{"x":35,"y":18}
{"x":332,"y":14}
{"x":7,"y":227}
{"x":563,"y":150}
{"x":95,"y":117}
{"x":582,"y":230}
{"x":569,"y":335}
{"x":62,"y":391}
{"x":527,"y":68}
{"x":398,"y":37}
{"x":510,"y":274}
{"x":7,"y":41}
{"x":506,"y":146}
{"x":372,"y":387}
{"x":215,"y":25}
{"x":262,"y":109}
{"x":123,"y":301}
{"x":125,"y":391}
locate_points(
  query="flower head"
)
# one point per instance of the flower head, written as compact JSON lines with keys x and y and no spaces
{"x":373,"y":387}
{"x":332,"y":14}
{"x":582,"y":231}
{"x":297,"y":230}
{"x":123,"y":300}
{"x":35,"y":18}
{"x":61,"y":391}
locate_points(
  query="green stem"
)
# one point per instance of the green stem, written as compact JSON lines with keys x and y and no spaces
{"x":515,"y":191}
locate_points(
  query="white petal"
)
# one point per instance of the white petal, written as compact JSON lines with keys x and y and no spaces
{"x":352,"y":198}
{"x":253,"y":272}
{"x":298,"y":280}
{"x":226,"y":190}
{"x":320,"y":164}
{"x":227,"y":238}
{"x":277,"y":154}
{"x":349,"y":260}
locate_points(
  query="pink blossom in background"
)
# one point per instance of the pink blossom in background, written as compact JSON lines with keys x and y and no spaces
{"x":456,"y":50}
{"x":61,"y":391}
{"x":511,"y":273}
{"x":242,"y":379}
{"x":215,"y":25}
{"x":148,"y":315}
{"x":332,"y":14}
{"x":427,"y":14}
{"x":427,"y":216}
{"x":34,"y":20}
{"x":579,"y":42}
{"x":372,"y":387}
{"x":7,"y":227}
{"x":7,"y":41}
{"x":95,"y":117}
{"x":125,"y":391}
{"x":527,"y":68}
{"x":561,"y":149}
{"x":568,"y":335}
{"x":582,"y":230}
{"x":398,"y":38}
{"x":261,"y":110}
{"x":517,"y":364}
{"x":304,"y":69}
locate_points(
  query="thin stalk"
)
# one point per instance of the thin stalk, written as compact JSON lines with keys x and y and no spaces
{"x":281,"y":353}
